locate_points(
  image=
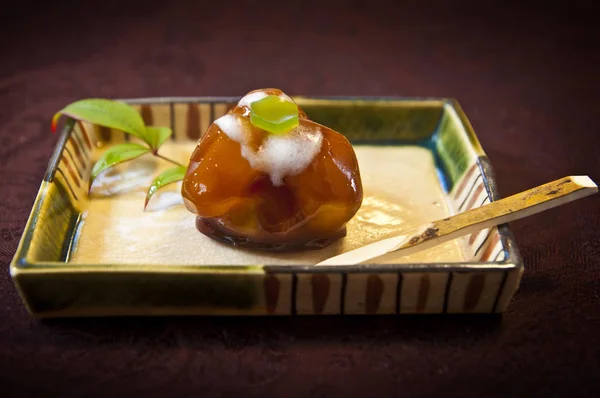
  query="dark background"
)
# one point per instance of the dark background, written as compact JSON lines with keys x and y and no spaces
{"x":526,"y":73}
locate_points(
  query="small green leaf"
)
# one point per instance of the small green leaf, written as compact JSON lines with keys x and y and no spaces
{"x":108,"y":113}
{"x":165,"y":178}
{"x":158,"y":135}
{"x":115,"y":155}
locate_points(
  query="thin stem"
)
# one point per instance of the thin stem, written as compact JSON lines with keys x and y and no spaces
{"x":167,"y":159}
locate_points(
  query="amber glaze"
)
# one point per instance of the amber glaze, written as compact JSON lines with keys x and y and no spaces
{"x":237,"y":204}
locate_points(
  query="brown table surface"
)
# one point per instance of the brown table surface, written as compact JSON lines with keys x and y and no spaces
{"x":527,"y":76}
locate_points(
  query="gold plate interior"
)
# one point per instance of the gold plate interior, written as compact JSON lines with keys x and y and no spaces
{"x":401,"y":186}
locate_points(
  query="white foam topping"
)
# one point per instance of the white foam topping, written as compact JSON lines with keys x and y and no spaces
{"x":258,"y":95}
{"x":231,"y":125}
{"x":279,"y":155}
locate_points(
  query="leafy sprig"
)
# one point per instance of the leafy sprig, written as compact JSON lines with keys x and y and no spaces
{"x":121,"y":116}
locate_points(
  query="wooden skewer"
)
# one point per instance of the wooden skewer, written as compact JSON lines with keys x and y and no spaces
{"x":512,"y":208}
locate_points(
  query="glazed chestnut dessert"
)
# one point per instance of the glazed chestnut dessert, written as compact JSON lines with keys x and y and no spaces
{"x":265,"y":176}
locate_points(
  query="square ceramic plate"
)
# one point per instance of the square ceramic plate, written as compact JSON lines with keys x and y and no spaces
{"x":100,"y":254}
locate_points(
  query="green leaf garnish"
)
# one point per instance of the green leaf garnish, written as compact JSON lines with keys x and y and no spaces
{"x":165,"y":178}
{"x":158,"y":135}
{"x":274,"y":114}
{"x":115,"y":155}
{"x":112,"y":114}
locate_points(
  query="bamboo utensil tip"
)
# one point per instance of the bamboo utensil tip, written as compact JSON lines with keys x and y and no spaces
{"x":520,"y":205}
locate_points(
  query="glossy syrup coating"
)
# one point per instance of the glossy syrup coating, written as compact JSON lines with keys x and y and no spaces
{"x":249,"y":207}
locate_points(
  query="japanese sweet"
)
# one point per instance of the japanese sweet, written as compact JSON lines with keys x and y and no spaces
{"x":265,"y":176}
